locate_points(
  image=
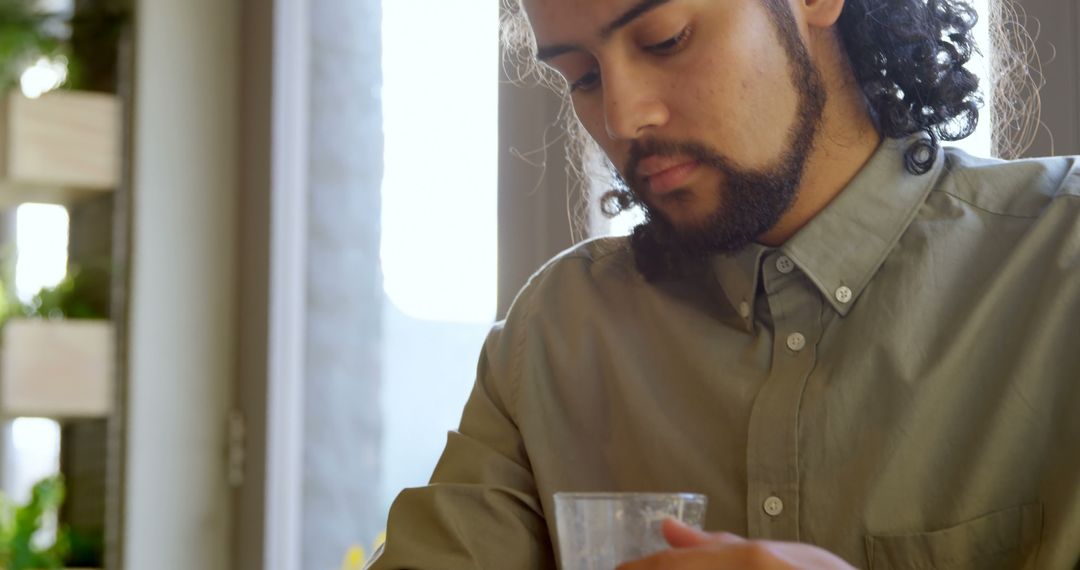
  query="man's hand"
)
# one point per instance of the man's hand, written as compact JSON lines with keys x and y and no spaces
{"x":693,"y":549}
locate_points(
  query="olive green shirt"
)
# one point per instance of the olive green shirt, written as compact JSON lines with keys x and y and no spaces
{"x":898,"y":384}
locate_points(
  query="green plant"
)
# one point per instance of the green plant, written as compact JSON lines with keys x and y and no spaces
{"x":25,"y":35}
{"x":19,"y":525}
{"x":81,"y":295}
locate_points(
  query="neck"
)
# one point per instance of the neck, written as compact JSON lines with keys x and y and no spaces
{"x":825,"y":178}
{"x":846,"y":139}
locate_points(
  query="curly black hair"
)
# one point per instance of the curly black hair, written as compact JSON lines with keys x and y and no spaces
{"x":908,"y":56}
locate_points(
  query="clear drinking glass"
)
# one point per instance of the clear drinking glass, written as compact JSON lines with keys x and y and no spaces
{"x":599,"y":531}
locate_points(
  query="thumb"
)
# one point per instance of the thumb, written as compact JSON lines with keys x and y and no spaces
{"x":680,"y":535}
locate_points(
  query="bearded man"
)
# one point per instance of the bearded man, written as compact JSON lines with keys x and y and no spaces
{"x":860,"y":345}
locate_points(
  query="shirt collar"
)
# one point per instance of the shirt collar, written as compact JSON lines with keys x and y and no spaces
{"x":738,"y":276}
{"x":842,"y":247}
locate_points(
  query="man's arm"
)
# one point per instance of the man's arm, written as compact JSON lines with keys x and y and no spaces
{"x":481,"y":508}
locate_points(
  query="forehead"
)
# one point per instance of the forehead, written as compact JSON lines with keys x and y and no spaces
{"x":554,"y":20}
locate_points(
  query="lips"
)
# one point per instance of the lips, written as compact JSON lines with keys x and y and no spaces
{"x":666,"y":174}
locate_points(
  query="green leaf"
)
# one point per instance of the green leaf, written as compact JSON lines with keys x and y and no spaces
{"x":19,"y":525}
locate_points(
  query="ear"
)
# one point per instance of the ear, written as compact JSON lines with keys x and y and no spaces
{"x":822,"y":13}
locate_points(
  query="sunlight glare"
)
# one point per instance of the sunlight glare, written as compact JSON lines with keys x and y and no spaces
{"x":41,"y":241}
{"x":440,"y":110}
{"x":980,"y":143}
{"x":44,"y":76}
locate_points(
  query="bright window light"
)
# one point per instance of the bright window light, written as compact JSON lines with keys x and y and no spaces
{"x":44,"y":76}
{"x":625,"y":222}
{"x":62,"y":7}
{"x":41,"y":240}
{"x":440,"y":113}
{"x":980,"y":142}
{"x":33,"y":453}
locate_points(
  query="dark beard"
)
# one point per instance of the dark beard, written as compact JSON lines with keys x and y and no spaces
{"x":751,"y":201}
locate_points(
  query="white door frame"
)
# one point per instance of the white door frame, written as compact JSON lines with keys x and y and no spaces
{"x":288,"y":289}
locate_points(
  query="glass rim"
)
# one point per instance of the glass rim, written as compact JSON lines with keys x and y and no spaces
{"x":612,"y":496}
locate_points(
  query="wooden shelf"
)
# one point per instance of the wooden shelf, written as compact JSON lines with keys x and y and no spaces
{"x":14,"y":193}
{"x":56,"y":368}
{"x":58,"y":147}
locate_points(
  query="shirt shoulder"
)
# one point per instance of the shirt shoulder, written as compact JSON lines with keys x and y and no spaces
{"x":1026,"y":211}
{"x":1016,"y":188}
{"x":579,"y":272}
{"x":556,"y":300}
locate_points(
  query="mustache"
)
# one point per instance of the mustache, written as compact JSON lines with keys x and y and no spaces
{"x":648,"y":148}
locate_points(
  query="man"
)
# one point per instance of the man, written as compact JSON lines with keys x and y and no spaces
{"x":861,"y":346}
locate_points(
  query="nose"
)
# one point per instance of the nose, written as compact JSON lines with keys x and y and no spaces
{"x":632,"y":105}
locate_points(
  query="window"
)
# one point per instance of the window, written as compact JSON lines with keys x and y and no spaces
{"x":979,"y":143}
{"x":42,"y":242}
{"x":440,"y":112}
{"x":31,"y":446}
{"x":31,"y":453}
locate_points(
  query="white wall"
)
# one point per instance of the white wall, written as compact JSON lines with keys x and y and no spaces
{"x":181,"y":315}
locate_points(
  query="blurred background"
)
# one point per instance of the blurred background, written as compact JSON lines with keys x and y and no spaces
{"x":250,"y":249}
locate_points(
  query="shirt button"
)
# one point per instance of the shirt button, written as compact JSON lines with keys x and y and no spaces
{"x":796,"y":341}
{"x":843,"y":295}
{"x":744,"y":309}
{"x":773,"y":506}
{"x":785,"y":265}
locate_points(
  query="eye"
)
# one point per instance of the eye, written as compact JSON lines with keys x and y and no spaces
{"x":588,"y":82}
{"x":672,"y":45}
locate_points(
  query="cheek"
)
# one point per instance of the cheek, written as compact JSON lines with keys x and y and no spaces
{"x":740,"y":99}
{"x":590,"y":114}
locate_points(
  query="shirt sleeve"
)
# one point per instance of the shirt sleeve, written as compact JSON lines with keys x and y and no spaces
{"x":481,"y":509}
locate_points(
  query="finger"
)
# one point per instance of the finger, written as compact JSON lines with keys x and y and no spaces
{"x":726,"y":538}
{"x":680,"y":535}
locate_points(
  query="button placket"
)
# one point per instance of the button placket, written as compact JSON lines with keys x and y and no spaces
{"x":795,"y":307}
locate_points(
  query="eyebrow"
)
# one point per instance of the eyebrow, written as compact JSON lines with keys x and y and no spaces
{"x":639,"y":9}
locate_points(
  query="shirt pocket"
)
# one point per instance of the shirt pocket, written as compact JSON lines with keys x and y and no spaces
{"x":1004,"y":539}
